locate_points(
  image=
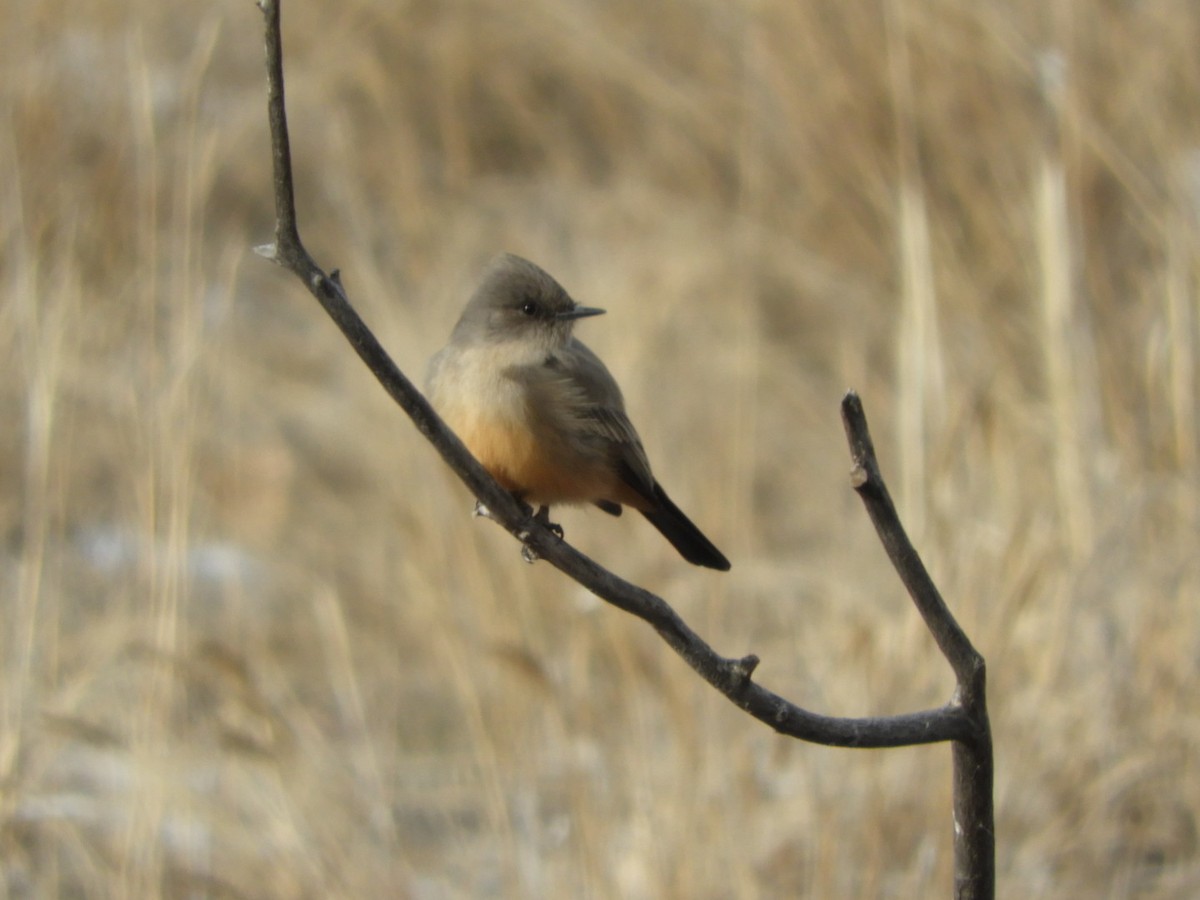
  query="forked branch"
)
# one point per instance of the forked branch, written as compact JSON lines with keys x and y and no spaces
{"x":963,"y":720}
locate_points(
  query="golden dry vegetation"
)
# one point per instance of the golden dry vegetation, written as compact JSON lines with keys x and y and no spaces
{"x":254,"y":645}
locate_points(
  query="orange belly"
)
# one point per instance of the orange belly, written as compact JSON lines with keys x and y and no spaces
{"x":539,"y":472}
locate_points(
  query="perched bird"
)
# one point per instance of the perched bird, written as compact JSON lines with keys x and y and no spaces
{"x":541,"y":412}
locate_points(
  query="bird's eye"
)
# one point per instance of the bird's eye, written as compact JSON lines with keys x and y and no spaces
{"x":530,"y":308}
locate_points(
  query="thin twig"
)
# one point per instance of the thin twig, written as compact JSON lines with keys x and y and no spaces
{"x":974,"y":815}
{"x":868,"y":481}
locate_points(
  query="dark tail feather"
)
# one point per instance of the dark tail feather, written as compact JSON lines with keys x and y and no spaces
{"x":683,"y":535}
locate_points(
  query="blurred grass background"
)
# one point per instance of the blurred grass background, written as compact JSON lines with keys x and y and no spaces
{"x":253,"y":644}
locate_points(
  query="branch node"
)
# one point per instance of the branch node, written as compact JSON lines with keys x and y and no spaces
{"x":742,"y":670}
{"x":859,"y":476}
{"x":268,"y":251}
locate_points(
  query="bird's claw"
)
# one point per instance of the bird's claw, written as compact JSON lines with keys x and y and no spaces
{"x":542,"y":517}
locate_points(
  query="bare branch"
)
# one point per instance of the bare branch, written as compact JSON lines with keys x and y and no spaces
{"x":963,"y":720}
{"x":974,"y":830}
{"x":287,"y":238}
{"x":868,"y":481}
{"x":732,"y":677}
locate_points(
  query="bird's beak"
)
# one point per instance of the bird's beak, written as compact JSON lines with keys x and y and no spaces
{"x":579,"y":312}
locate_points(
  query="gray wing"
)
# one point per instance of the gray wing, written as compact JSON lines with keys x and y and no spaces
{"x":599,"y":411}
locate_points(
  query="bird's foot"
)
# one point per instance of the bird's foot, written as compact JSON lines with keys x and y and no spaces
{"x":542,"y":517}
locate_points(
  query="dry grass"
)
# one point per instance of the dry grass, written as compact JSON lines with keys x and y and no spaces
{"x":253,"y":644}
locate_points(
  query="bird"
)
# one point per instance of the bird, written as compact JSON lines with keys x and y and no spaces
{"x":542,"y":413}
